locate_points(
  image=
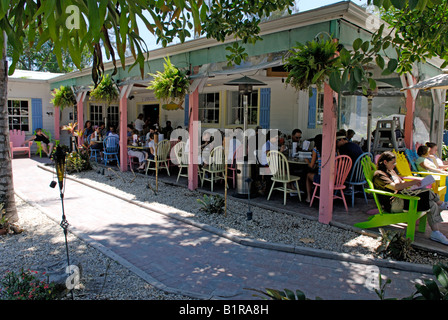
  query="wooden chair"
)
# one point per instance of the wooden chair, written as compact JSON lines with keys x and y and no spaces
{"x":279,"y":167}
{"x":216,"y":167}
{"x":182,"y":159}
{"x":343,"y":165}
{"x":404,"y":169}
{"x":111,"y":147}
{"x":16,"y":139}
{"x":357,"y":178}
{"x":161,"y":159}
{"x":383,"y":218}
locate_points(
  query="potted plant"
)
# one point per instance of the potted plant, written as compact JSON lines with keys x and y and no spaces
{"x":106,"y":90}
{"x":63,"y":97}
{"x":71,"y":128}
{"x":4,"y":224}
{"x":170,"y":86}
{"x":312,"y":63}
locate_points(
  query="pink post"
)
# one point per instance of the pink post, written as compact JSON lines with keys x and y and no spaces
{"x":123,"y":128}
{"x":410,"y":108}
{"x":80,"y":110}
{"x":193,"y":133}
{"x":328,"y":156}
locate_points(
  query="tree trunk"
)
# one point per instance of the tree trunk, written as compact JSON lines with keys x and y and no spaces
{"x":6,"y":182}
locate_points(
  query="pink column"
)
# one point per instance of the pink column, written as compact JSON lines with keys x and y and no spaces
{"x":328,"y":156}
{"x":410,"y":109}
{"x":193,"y":134}
{"x":123,"y":129}
{"x":80,"y":110}
{"x":57,"y":129}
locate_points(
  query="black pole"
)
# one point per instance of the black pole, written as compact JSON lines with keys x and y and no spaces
{"x":249,"y":213}
{"x":59,"y":159}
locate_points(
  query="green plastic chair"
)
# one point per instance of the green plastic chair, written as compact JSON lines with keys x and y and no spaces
{"x":383,"y":218}
{"x":39,"y":143}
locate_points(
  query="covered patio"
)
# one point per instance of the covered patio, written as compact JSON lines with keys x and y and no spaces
{"x":277,"y":107}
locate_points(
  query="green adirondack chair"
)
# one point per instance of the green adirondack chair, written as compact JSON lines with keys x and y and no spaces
{"x":409,"y":217}
{"x":39,"y":144}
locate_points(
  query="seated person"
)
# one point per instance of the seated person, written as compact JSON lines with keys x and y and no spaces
{"x":47,"y":146}
{"x":385,"y":178}
{"x":141,"y":155}
{"x":424,"y":162}
{"x":350,"y":134}
{"x":151,"y":145}
{"x":313,"y":174}
{"x":348,"y":148}
{"x":433,"y":154}
{"x":96,"y":139}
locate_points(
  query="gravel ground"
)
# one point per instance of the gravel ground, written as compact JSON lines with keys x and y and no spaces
{"x":103,"y":278}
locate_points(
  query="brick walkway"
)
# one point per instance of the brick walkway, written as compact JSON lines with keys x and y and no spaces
{"x":183,"y":258}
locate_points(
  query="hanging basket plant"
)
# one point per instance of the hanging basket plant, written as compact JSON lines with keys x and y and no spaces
{"x":106,"y":90}
{"x":312,"y":63}
{"x":63,"y":97}
{"x":170,"y":86}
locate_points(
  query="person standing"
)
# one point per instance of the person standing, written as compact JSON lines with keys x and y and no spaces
{"x":139,"y":124}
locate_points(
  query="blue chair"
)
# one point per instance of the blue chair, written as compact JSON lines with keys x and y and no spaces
{"x":111,"y":148}
{"x":412,"y":157}
{"x":93,"y":152}
{"x":357,"y":177}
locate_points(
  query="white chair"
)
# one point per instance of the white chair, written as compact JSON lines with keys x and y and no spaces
{"x":279,"y":167}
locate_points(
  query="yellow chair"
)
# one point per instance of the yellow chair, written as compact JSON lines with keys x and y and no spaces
{"x":404,"y":169}
{"x":279,"y":167}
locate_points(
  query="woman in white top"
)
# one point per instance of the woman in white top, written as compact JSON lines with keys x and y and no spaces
{"x":433,"y":153}
{"x":424,"y":162}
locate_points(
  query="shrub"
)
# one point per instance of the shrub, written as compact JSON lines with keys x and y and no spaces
{"x":26,"y":286}
{"x":394,"y":245}
{"x":212,"y":204}
{"x":78,"y":161}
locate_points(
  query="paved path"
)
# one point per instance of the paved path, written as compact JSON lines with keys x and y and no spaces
{"x":183,"y":258}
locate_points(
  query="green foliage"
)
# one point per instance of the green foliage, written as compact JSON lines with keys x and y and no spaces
{"x":77,"y":161}
{"x":395,"y":245}
{"x":312,"y":64}
{"x":444,"y":152}
{"x":63,"y":97}
{"x":171,"y":85}
{"x":3,"y":219}
{"x":106,"y":90}
{"x":286,"y":294}
{"x":26,"y":286}
{"x":418,"y":30}
{"x":212,"y":204}
{"x":430,"y":290}
{"x":237,"y":54}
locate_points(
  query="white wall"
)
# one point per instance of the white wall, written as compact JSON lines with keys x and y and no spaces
{"x":29,"y":89}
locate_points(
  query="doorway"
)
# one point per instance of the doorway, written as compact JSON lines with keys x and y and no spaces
{"x":151,"y":111}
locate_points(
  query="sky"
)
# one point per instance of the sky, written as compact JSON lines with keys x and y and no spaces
{"x":303,"y":5}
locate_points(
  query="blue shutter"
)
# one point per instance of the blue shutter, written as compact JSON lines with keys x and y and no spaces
{"x":186,"y":110}
{"x":265,"y":107}
{"x":36,"y":113}
{"x":312,"y":105}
